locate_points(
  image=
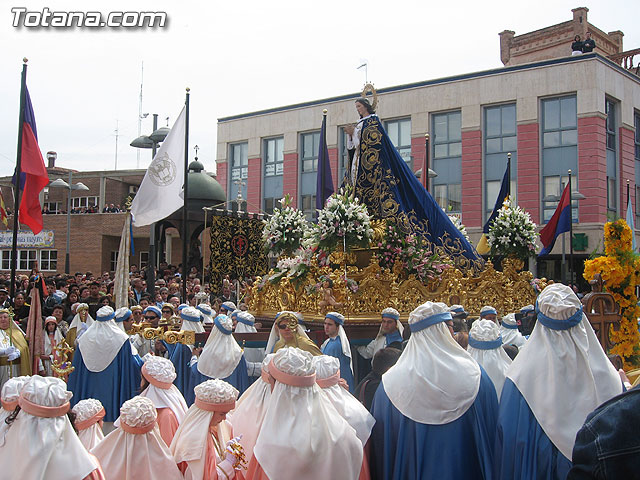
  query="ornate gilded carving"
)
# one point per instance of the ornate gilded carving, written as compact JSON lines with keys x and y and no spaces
{"x":378,"y":288}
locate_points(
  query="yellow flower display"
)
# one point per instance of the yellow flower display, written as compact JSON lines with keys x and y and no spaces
{"x":620,"y":270}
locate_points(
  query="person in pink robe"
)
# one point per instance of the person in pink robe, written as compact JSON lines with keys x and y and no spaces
{"x":135,"y":450}
{"x":204,"y":447}
{"x":302,"y":434}
{"x":88,"y":421}
{"x":158,"y":374}
{"x":41,"y":443}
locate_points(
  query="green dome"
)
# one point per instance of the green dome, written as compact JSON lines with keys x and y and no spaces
{"x":202,"y":187}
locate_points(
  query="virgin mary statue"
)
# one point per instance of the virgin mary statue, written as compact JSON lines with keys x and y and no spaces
{"x":386,"y":185}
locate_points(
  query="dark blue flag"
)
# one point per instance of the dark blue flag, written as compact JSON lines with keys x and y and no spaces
{"x":324,"y":185}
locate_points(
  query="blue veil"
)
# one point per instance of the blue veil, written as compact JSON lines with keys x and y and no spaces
{"x":390,"y":190}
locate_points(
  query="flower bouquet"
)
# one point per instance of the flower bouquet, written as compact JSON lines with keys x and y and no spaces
{"x":512,"y":233}
{"x":284,"y":231}
{"x":343,"y":222}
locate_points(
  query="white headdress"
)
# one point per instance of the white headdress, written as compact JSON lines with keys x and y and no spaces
{"x":45,"y":446}
{"x":565,"y":352}
{"x":327,"y":377}
{"x":102,"y":341}
{"x":485,"y":346}
{"x":122,"y":314}
{"x":509,"y":331}
{"x":75,"y":323}
{"x":160,"y":373}
{"x":9,"y":397}
{"x":245,"y":322}
{"x":435,"y":380}
{"x":207,"y":313}
{"x":191,"y":319}
{"x":135,"y":449}
{"x":88,"y":413}
{"x":300,"y":423}
{"x":190,"y":441}
{"x":221,"y":353}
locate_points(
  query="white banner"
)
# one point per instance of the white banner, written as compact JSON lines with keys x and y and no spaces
{"x":27,"y":239}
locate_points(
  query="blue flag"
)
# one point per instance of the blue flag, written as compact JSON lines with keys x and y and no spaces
{"x":324,"y":185}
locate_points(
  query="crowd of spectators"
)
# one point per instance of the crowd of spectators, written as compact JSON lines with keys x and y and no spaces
{"x":110,"y":208}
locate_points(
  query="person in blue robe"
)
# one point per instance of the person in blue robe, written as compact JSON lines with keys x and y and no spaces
{"x":538,"y":420}
{"x":383,"y":181}
{"x":337,"y":345}
{"x":391,"y":330}
{"x":221,"y":358}
{"x":104,"y":366}
{"x":435,"y":409}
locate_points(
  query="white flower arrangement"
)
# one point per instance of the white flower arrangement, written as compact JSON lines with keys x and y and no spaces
{"x":512,"y":233}
{"x":343,"y":220}
{"x":457,"y":222}
{"x":284,"y":230}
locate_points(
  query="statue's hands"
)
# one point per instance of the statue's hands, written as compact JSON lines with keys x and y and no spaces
{"x":349,"y":129}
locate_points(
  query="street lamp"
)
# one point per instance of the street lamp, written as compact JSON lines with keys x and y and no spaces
{"x":60,"y":183}
{"x":151,"y":141}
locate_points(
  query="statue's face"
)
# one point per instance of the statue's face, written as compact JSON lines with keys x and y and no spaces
{"x":83,"y":314}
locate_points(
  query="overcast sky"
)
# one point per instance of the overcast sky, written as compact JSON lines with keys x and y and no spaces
{"x":242,"y":56}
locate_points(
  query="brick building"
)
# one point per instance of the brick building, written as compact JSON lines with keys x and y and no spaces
{"x":553,"y":114}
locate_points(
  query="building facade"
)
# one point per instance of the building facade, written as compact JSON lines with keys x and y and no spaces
{"x":578,"y":113}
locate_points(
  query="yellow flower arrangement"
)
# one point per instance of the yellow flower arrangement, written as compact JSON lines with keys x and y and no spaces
{"x":620,"y":270}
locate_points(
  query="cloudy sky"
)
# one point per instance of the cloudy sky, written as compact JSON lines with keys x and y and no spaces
{"x":242,"y":56}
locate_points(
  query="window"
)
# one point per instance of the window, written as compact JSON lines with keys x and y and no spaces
{"x":310,"y":146}
{"x":27,"y":259}
{"x":273,"y":169}
{"x":559,"y":151}
{"x":309,"y":206}
{"x":6,"y":260}
{"x":84,"y":202}
{"x":636,"y":118}
{"x":610,"y":110}
{"x":113,"y":261}
{"x":560,"y":122}
{"x":399,"y":132}
{"x":274,"y":157}
{"x":343,"y":167}
{"x":553,"y":188}
{"x":48,"y":260}
{"x":144,"y":259}
{"x":447,"y":160}
{"x":499,"y":140}
{"x":449,"y":197}
{"x":239,"y":160}
{"x":269,"y":205}
{"x":51,"y":207}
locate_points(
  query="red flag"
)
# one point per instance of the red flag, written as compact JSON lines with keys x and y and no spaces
{"x":33,"y":177}
{"x":34,"y":327}
{"x":3,"y":211}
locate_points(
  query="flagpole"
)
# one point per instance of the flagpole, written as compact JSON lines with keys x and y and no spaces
{"x":425,"y":173}
{"x":16,"y":201}
{"x":570,"y":233}
{"x":627,"y":192}
{"x":509,"y":175}
{"x":185,"y":205}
